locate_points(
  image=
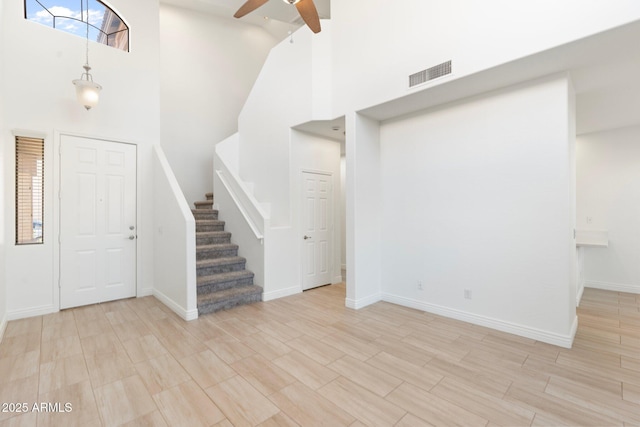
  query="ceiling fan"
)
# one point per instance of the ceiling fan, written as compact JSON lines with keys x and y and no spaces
{"x":306,"y":9}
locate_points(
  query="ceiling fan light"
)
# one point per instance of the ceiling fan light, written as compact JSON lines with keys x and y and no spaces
{"x":291,"y":1}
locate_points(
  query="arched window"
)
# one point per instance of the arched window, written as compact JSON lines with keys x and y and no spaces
{"x":73,"y":16}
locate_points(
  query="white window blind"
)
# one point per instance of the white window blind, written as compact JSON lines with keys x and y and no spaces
{"x":29,"y":190}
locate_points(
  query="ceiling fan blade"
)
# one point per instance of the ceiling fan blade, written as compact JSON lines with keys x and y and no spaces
{"x":249,"y":7}
{"x":309,"y":14}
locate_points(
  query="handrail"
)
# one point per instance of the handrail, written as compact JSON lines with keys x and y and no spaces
{"x":225,"y":165}
{"x":233,"y":194}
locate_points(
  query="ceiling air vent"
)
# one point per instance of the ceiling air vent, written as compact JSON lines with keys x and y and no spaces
{"x":430,"y":74}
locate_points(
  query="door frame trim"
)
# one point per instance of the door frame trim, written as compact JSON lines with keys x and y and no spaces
{"x":55,"y":225}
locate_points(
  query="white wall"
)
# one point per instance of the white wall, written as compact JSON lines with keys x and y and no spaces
{"x":364,"y":209}
{"x":478,"y":195}
{"x":3,"y":282}
{"x":208,"y":66}
{"x":395,"y":41}
{"x":608,"y":193}
{"x":343,"y":212}
{"x":174,"y":253}
{"x":282,"y":98}
{"x":38,"y":96}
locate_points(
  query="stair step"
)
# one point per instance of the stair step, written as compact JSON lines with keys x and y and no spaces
{"x":220,"y":250}
{"x":209,"y":225}
{"x":220,"y":282}
{"x":207,"y":267}
{"x":212,"y":237}
{"x":228,"y":298}
{"x":205,"y":214}
{"x":204,"y":204}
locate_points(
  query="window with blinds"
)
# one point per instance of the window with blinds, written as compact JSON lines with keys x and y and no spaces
{"x":29,"y":190}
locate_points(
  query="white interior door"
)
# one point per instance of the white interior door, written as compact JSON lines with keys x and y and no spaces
{"x":97,"y":221}
{"x":317,"y":218}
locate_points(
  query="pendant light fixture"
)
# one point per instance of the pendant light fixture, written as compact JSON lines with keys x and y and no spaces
{"x":87,"y":91}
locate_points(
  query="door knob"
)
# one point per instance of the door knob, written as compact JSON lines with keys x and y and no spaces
{"x":132,"y":237}
{"x":307,"y":237}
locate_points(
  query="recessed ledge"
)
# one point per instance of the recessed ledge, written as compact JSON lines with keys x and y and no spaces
{"x":592,"y":238}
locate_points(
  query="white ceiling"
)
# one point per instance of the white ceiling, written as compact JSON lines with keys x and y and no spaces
{"x":274,"y":9}
{"x":331,"y":129}
{"x":608,"y":93}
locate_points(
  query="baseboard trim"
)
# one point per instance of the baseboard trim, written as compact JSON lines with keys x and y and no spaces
{"x":579,"y":295}
{"x":336,"y":280}
{"x":32,"y":312}
{"x":3,"y":326}
{"x":362,"y":302}
{"x":175,"y":307}
{"x":281,"y":293}
{"x":616,"y":287}
{"x":512,"y":328}
{"x":146,"y":292}
{"x":574,"y":330}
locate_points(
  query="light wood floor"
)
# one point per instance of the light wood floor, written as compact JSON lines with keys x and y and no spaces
{"x":307,"y":360}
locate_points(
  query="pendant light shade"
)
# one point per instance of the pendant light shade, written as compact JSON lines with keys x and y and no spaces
{"x":87,"y":91}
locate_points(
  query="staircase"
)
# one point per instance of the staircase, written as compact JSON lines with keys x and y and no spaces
{"x":223,"y":282}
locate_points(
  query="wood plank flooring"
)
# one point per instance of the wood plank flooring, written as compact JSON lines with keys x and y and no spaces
{"x":307,"y":360}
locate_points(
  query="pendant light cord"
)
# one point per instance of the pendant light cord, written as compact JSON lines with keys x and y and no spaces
{"x":87,"y":23}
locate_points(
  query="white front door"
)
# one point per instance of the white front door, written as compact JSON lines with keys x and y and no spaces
{"x":317,"y":218}
{"x":97,"y":221}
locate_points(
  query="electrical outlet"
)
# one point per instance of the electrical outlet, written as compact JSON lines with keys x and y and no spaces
{"x":419,"y":285}
{"x":467,"y":294}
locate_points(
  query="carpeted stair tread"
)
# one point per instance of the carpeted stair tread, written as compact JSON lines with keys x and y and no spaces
{"x":217,"y":246}
{"x":204,"y":214}
{"x":211,"y":221}
{"x":228,"y":298}
{"x":223,"y":264}
{"x":204,"y":204}
{"x":212,"y":233}
{"x":219,"y":261}
{"x":212,"y":237}
{"x":218,"y":296}
{"x":203,"y":210}
{"x":216,"y":251}
{"x":226,"y":277}
{"x":209,"y":225}
{"x":222,"y":280}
